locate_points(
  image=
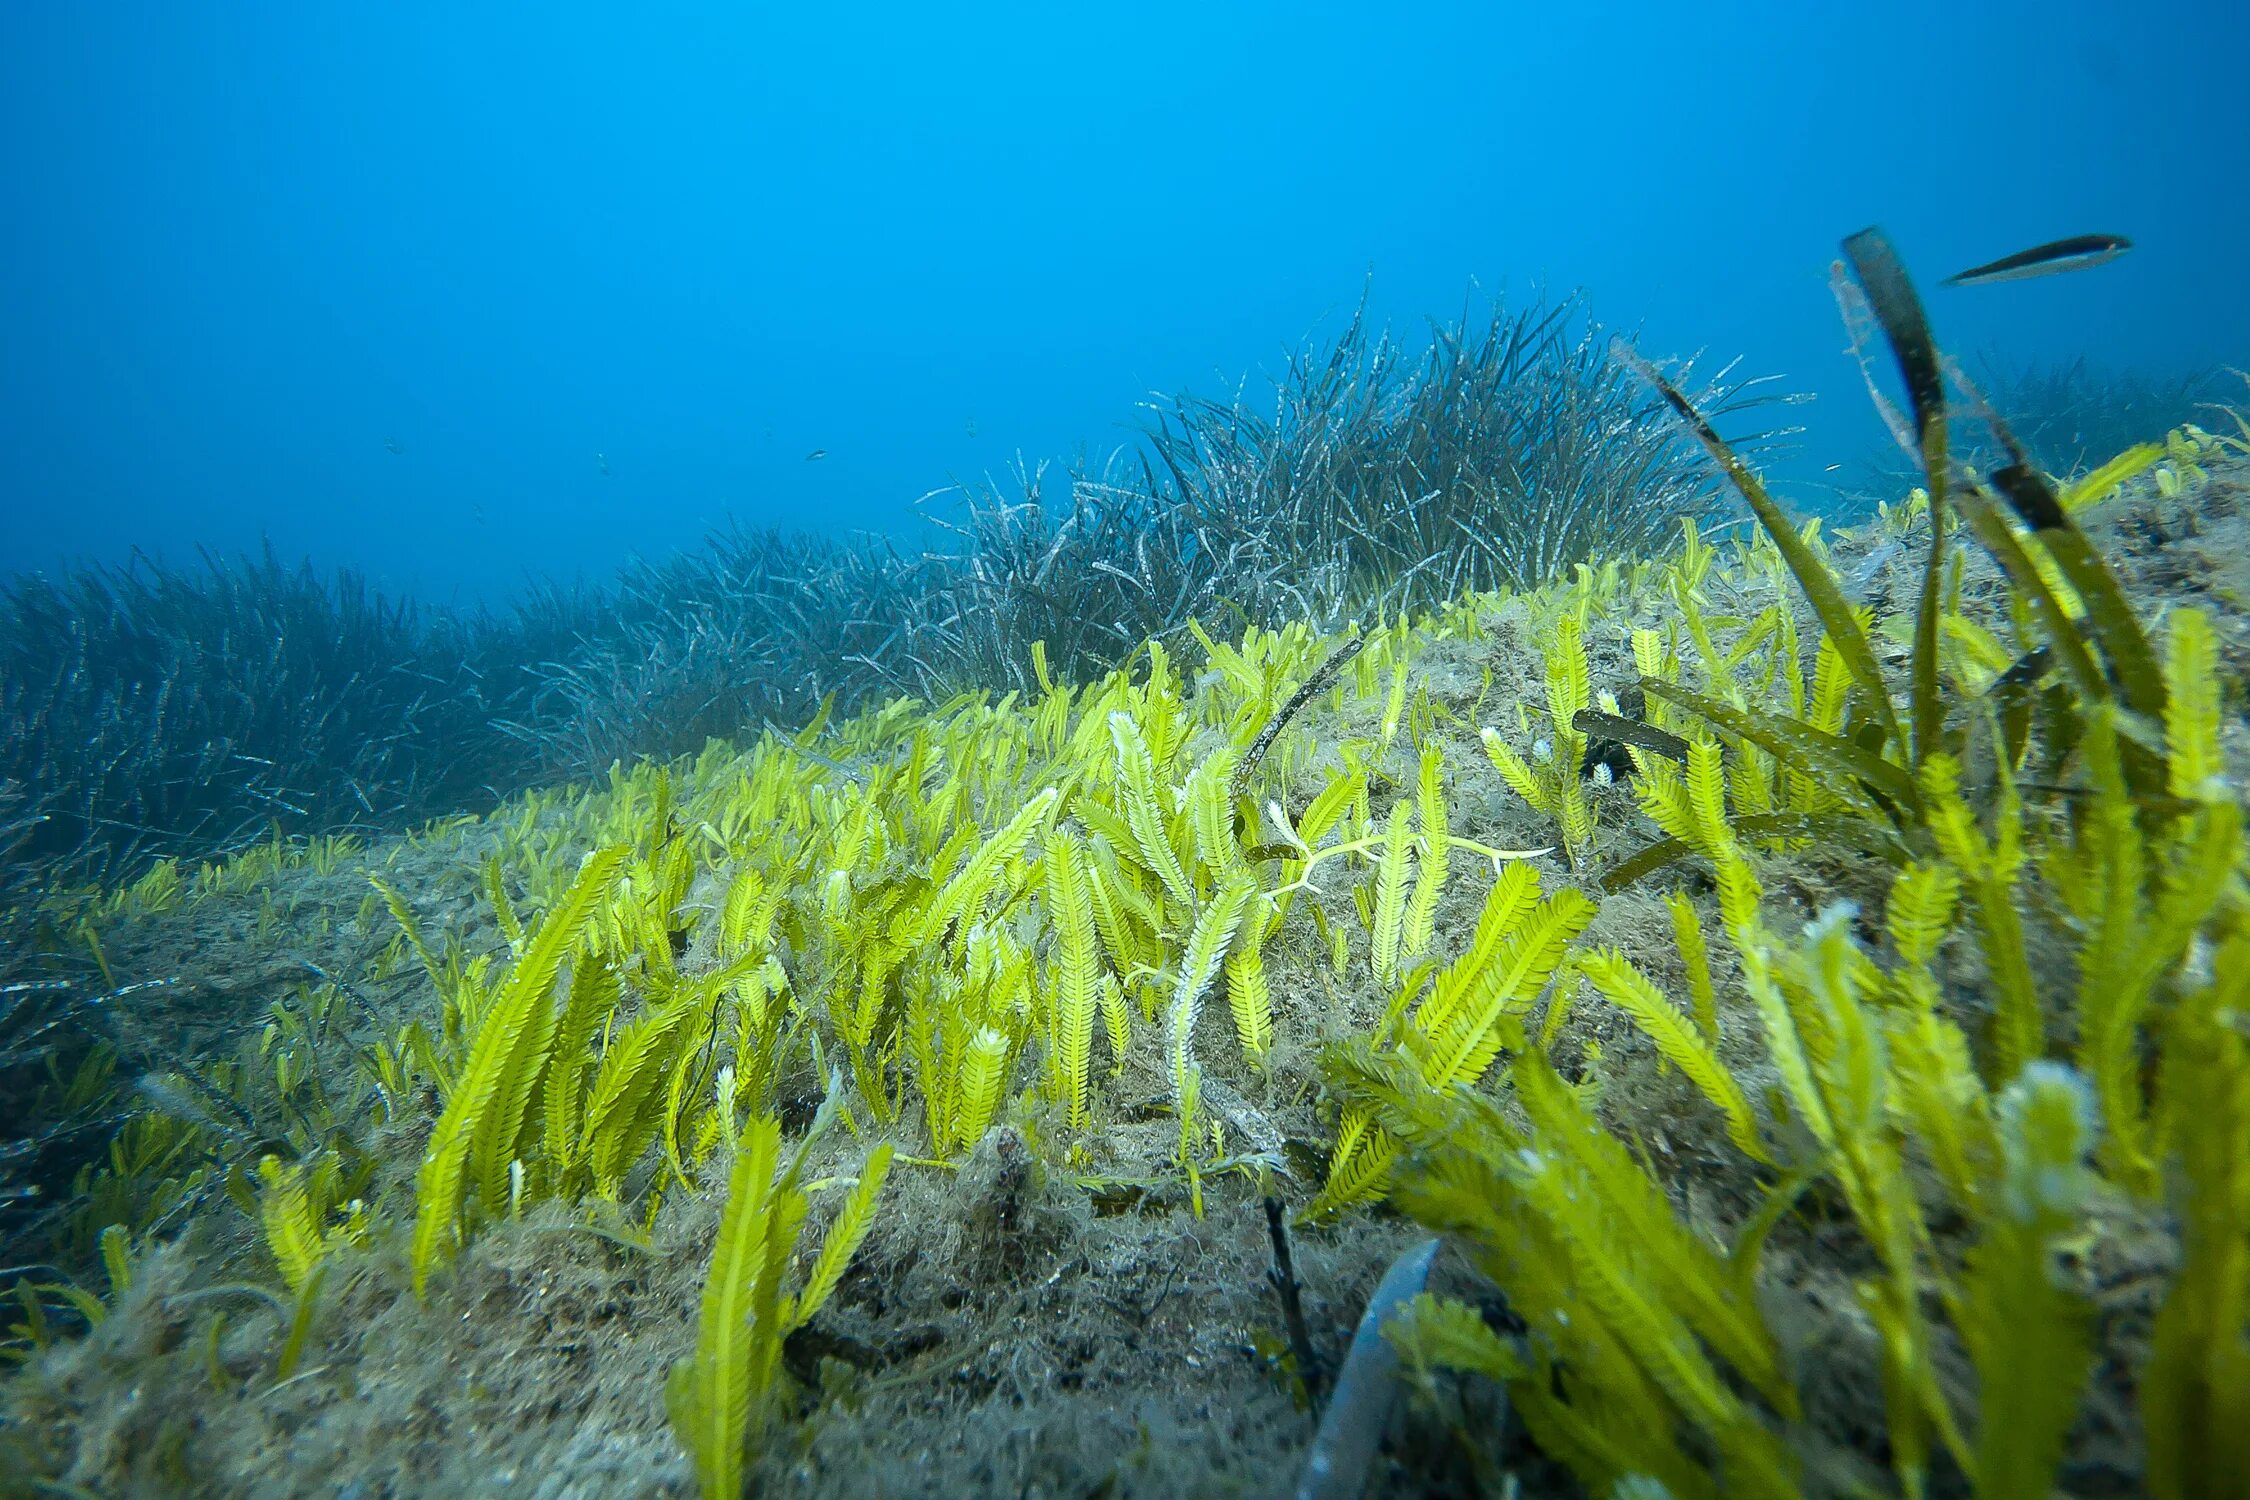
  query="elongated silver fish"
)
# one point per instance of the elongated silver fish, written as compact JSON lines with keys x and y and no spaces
{"x":2074,"y":254}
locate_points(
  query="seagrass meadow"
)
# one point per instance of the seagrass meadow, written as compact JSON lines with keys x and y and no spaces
{"x":1803,"y":978}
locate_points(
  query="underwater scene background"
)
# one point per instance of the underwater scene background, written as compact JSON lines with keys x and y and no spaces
{"x":1222,"y":750}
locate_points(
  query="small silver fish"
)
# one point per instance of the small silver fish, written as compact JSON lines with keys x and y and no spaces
{"x":393,"y":445}
{"x":816,"y":454}
{"x":601,"y":462}
{"x":2074,"y":254}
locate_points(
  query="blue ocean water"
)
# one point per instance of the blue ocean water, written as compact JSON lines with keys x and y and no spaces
{"x":452,"y":293}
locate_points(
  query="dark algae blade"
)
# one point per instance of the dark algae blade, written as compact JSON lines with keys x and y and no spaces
{"x":2129,"y":662}
{"x":2076,"y":253}
{"x":1812,"y":575}
{"x":1875,"y":265}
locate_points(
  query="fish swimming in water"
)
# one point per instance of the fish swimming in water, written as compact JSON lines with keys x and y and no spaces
{"x":816,"y":454}
{"x":2073,"y":254}
{"x":601,"y":462}
{"x":394,"y":445}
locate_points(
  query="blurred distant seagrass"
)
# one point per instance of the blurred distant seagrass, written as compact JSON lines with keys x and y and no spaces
{"x":148,"y":711}
{"x":2075,"y":415}
{"x":151,"y":712}
{"x":1376,"y":476}
{"x":749,"y":627}
{"x":2070,"y":415}
{"x":18,"y":821}
{"x":1511,"y":449}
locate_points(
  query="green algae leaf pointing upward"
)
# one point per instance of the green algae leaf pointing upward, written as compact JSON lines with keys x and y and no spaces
{"x":486,"y":1110}
{"x":710,"y":1394}
{"x":722,"y":1397}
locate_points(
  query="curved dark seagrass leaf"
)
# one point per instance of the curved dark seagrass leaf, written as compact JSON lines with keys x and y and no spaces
{"x":1838,"y":828}
{"x":1898,"y":310}
{"x":2117,"y":630}
{"x":2027,"y":669}
{"x":1311,"y":688}
{"x":1982,"y":512}
{"x":1890,"y":293}
{"x":1798,"y":745}
{"x":1608,"y":726}
{"x":2014,"y":694}
{"x":1812,"y":575}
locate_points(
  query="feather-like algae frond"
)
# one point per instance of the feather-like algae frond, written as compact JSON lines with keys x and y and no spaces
{"x":2197,"y":768}
{"x":842,"y":1242}
{"x":722,"y":1397}
{"x":1921,"y":910}
{"x":494,"y":1087}
{"x":1214,"y":932}
{"x":1389,"y":927}
{"x":1988,"y":868}
{"x":2195,"y":1396}
{"x":292,"y":1226}
{"x":711,"y":1393}
{"x":594,"y":995}
{"x":1516,"y":771}
{"x":1075,"y":975}
{"x":1359,"y":1164}
{"x":1430,"y":867}
{"x":2029,"y":1338}
{"x":1210,"y":816}
{"x":983,"y":1073}
{"x":1695,"y":953}
{"x":962,"y":899}
{"x":403,"y":915}
{"x":1249,"y":996}
{"x":623,"y":1112}
{"x":1513,"y":954}
{"x":1677,"y":1039}
{"x":496,"y":887}
{"x":1468,"y":1016}
{"x":1147,"y":808}
{"x":2099,"y":483}
{"x":1551,"y":784}
{"x":1615,"y":1278}
{"x":1432,"y":1332}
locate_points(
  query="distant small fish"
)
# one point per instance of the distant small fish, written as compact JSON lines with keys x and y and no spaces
{"x":2073,"y":254}
{"x":972,"y":427}
{"x":816,"y":454}
{"x":601,"y":462}
{"x":394,"y":445}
